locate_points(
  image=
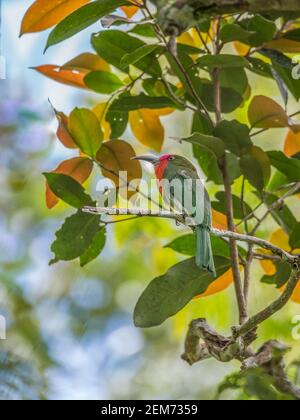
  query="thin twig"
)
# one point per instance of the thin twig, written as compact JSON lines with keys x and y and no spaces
{"x":277,"y":204}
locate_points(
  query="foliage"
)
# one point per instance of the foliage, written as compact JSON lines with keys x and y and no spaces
{"x":146,"y":76}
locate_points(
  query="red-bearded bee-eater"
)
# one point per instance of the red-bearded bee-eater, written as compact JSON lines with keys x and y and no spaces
{"x":182,"y":189}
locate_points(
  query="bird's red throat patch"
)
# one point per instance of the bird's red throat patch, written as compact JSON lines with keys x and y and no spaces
{"x":161,"y":167}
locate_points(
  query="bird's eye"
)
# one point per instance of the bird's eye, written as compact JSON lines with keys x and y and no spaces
{"x":171,"y":157}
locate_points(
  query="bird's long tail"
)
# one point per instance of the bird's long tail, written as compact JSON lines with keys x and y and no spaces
{"x":204,"y":253}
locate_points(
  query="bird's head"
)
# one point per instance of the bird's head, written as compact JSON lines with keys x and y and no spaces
{"x":160,"y":163}
{"x":156,"y":160}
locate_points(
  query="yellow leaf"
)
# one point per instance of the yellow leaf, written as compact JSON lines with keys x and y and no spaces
{"x":193,"y":39}
{"x":263,"y":112}
{"x":241,"y":49}
{"x":187,"y":39}
{"x":44,"y":14}
{"x":147,"y":128}
{"x":78,"y":168}
{"x":163,"y":111}
{"x":100,"y":111}
{"x":87,"y":62}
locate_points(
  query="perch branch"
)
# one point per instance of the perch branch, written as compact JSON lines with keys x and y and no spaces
{"x":293,"y":260}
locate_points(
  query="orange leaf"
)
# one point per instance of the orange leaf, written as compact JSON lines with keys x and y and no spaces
{"x":67,"y":77}
{"x":147,"y":128}
{"x":219,"y":220}
{"x":130,"y":11}
{"x":78,"y":168}
{"x":218,"y":285}
{"x":296,"y":295}
{"x":292,"y":144}
{"x":44,"y":14}
{"x":115,"y":156}
{"x":100,"y":111}
{"x":63,"y":134}
{"x":280,"y":239}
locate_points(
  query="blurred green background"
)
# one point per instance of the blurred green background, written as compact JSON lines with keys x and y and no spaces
{"x":70,"y":333}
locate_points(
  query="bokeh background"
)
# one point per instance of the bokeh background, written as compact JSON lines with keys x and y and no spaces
{"x":70,"y":333}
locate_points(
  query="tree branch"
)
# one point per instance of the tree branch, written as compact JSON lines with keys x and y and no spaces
{"x":233,"y":245}
{"x":293,"y":260}
{"x":179,"y":15}
{"x":276,"y":306}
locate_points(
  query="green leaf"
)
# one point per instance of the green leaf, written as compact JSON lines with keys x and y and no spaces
{"x":282,"y":275}
{"x":186,"y":66}
{"x":86,"y":131}
{"x":82,"y":18}
{"x":168,"y":294}
{"x":256,"y":167}
{"x":95,"y":248}
{"x":290,"y":167}
{"x":283,"y":215}
{"x":186,"y":245}
{"x":235,"y":135}
{"x":209,"y":143}
{"x":230,"y":98}
{"x":207,"y":159}
{"x":234,"y":78}
{"x":75,"y":236}
{"x":144,"y":29}
{"x":142,"y":101}
{"x":240,"y":211}
{"x":293,"y":35}
{"x":140,"y":53}
{"x":278,"y":182}
{"x":264,"y":30}
{"x":113,"y":45}
{"x":103,"y":82}
{"x":295,"y":237}
{"x":222,"y":61}
{"x":68,"y":190}
{"x":154,"y":87}
{"x":117,"y":120}
{"x":234,"y":32}
{"x":291,"y":83}
{"x":259,"y":67}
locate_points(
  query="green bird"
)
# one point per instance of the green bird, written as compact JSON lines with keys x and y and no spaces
{"x":182,"y":189}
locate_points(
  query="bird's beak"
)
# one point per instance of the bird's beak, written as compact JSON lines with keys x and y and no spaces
{"x":154,"y":160}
